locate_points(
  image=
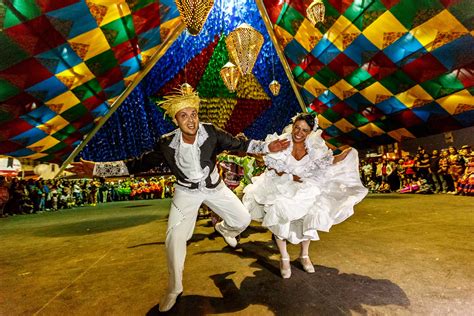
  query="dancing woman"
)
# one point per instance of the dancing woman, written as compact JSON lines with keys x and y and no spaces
{"x":305,"y":189}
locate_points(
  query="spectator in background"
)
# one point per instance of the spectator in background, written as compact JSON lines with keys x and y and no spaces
{"x":425,"y":187}
{"x":384,"y":187}
{"x":54,"y":198}
{"x":409,"y":166}
{"x":77,"y":193}
{"x":401,"y":172}
{"x":465,"y":185}
{"x":443,"y":169}
{"x":4,"y":195}
{"x":465,"y":153}
{"x":411,"y":187}
{"x":436,"y":178}
{"x":367,"y":172}
{"x":103,"y":190}
{"x":422,"y":167}
{"x":384,"y":170}
{"x":456,"y":167}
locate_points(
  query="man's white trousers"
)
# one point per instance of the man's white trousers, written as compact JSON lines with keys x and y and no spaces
{"x":182,"y":219}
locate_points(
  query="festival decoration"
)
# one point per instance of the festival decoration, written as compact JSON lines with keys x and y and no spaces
{"x":244,"y":44}
{"x":230,"y":74}
{"x":211,"y":84}
{"x":250,"y":88}
{"x":138,"y":123}
{"x":377,"y":72}
{"x":194,"y":13}
{"x":315,"y":11}
{"x":9,"y":166}
{"x":79,"y":56}
{"x":380,"y":72}
{"x":274,"y":87}
{"x":217,"y":110}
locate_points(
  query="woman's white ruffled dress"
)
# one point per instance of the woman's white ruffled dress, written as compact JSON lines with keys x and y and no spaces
{"x":295,"y":211}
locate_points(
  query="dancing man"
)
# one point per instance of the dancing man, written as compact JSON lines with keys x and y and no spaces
{"x":190,"y":152}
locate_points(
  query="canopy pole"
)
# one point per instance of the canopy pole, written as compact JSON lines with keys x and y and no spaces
{"x":281,"y":55}
{"x":154,"y":59}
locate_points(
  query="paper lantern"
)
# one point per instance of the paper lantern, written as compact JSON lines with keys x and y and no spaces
{"x":315,"y":11}
{"x":274,"y":87}
{"x":230,"y":74}
{"x":194,"y":13}
{"x":244,"y":44}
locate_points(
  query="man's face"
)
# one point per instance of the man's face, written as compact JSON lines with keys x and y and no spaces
{"x":188,"y":121}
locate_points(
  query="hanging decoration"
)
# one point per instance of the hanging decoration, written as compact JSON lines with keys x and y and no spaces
{"x":315,"y":11}
{"x":194,"y":13}
{"x":274,"y":87}
{"x":244,"y":44}
{"x":230,"y":74}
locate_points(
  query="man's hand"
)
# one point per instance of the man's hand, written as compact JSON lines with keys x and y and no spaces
{"x":278,"y":145}
{"x":83,"y":168}
{"x":342,"y":155}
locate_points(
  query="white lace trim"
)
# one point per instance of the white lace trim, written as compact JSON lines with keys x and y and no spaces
{"x":257,"y":147}
{"x":202,"y":136}
{"x":320,"y":156}
{"x":110,"y":169}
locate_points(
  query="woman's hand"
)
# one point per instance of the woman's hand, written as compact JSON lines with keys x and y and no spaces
{"x":342,"y":155}
{"x":278,"y":145}
{"x":83,"y":168}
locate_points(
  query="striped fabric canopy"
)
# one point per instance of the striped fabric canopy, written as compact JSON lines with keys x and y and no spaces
{"x":375,"y":71}
{"x":63,"y":64}
{"x":381,"y":71}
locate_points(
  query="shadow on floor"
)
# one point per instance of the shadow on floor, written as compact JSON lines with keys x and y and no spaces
{"x":326,"y":292}
{"x":94,"y":226}
{"x":211,"y":236}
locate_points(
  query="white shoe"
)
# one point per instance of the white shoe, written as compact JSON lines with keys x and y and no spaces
{"x":168,"y":301}
{"x":308,"y":267}
{"x":285,"y":273}
{"x":231,"y":241}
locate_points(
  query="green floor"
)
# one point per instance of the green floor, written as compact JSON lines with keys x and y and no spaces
{"x":397,"y":255}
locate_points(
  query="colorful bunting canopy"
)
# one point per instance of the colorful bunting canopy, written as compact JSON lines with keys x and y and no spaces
{"x":63,"y":63}
{"x":381,"y":71}
{"x":198,"y":60}
{"x":376,"y":71}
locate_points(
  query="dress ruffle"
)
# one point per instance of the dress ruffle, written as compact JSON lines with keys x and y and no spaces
{"x":295,"y":211}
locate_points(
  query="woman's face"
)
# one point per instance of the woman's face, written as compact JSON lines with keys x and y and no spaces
{"x":300,"y":131}
{"x":452,"y":150}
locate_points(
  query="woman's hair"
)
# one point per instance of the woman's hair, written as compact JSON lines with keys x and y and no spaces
{"x":308,"y":118}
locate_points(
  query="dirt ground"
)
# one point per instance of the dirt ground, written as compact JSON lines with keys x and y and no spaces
{"x":398,"y":255}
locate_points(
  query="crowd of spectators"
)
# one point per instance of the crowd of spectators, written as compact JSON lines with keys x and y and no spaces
{"x":447,"y":170}
{"x":19,"y":196}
